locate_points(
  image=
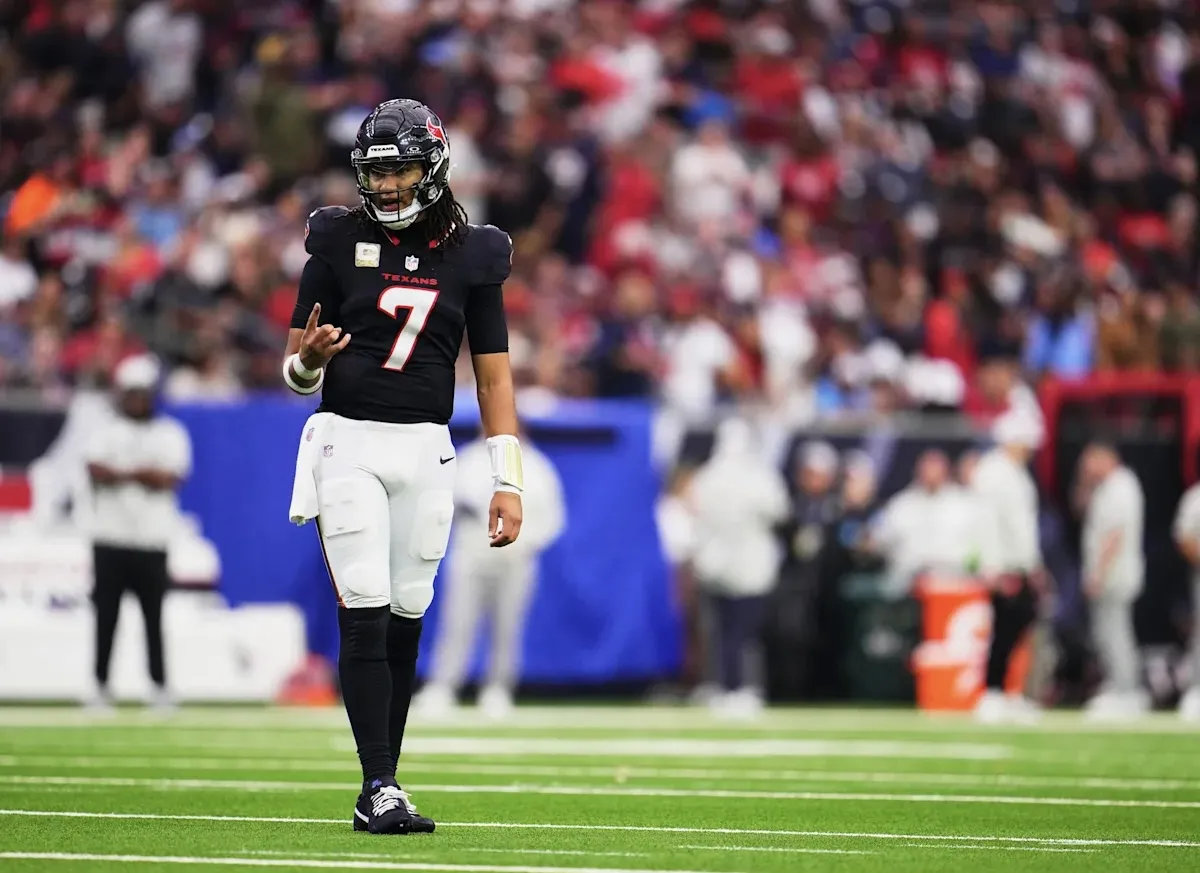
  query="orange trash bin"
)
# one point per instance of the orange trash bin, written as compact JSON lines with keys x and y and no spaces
{"x":950,"y":664}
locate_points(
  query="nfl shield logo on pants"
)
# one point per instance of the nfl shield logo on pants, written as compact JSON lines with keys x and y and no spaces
{"x":410,"y":263}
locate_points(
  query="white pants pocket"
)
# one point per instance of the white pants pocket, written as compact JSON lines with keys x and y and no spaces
{"x":431,"y":528}
{"x":343,"y":507}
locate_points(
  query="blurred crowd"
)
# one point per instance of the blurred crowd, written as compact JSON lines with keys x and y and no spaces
{"x":816,"y":206}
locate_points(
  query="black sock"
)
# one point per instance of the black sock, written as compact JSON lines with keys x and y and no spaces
{"x":1011,"y":617}
{"x":403,"y":638}
{"x":367,"y":687}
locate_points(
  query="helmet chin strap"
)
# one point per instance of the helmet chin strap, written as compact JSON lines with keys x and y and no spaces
{"x":401,"y":220}
{"x":401,"y":223}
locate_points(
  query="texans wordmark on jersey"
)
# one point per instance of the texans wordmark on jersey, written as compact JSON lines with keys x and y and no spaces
{"x":406,"y":308}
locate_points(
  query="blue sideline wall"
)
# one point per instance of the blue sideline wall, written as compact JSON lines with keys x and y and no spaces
{"x":603,"y":609}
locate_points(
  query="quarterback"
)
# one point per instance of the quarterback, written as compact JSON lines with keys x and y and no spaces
{"x":385,"y":298}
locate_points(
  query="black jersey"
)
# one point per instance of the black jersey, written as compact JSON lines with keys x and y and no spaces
{"x":406,"y":306}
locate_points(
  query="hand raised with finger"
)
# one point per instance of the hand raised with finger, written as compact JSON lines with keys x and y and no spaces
{"x":320,"y":341}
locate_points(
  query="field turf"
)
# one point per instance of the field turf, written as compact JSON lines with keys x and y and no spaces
{"x":576,"y":789}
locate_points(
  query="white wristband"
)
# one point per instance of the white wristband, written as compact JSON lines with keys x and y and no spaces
{"x":504,"y":450}
{"x":293,"y":365}
{"x":302,"y":371}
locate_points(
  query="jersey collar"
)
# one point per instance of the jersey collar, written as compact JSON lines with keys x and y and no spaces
{"x":433,"y":243}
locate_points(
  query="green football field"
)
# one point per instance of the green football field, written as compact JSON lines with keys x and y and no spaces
{"x":570,"y":789}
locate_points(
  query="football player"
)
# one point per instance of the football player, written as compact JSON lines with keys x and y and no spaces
{"x":383,"y":303}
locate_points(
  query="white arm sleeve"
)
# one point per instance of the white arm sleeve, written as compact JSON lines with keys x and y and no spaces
{"x":886,"y":527}
{"x":98,"y":449}
{"x":508,"y":473}
{"x":1024,"y":521}
{"x":988,"y":493}
{"x":556,"y":504}
{"x":177,"y":453}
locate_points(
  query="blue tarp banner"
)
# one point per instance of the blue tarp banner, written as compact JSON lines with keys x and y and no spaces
{"x":603,"y":608}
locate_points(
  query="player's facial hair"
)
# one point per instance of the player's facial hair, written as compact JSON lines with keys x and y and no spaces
{"x":137,"y":406}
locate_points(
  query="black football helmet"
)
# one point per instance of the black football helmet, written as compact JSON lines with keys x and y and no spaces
{"x":396,"y":134}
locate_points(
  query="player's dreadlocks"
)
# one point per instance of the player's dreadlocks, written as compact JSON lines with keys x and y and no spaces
{"x":445,"y":220}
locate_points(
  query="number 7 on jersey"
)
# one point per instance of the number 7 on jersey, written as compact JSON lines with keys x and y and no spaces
{"x":419,"y":303}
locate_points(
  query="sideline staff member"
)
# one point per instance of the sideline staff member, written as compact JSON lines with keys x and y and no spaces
{"x":136,"y":462}
{"x":1114,"y":572}
{"x":486,"y":583}
{"x":1010,"y":555}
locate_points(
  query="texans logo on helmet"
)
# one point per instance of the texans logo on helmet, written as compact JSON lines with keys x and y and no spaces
{"x":435,"y":131}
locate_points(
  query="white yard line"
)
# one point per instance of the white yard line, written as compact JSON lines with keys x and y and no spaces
{"x":50,"y":782}
{"x":789,"y":851}
{"x":970,"y":848}
{"x":155,"y":816}
{"x":575,"y":852}
{"x":698,"y":748}
{"x":169,"y":741}
{"x":578,"y":852}
{"x":617,"y":773}
{"x":491,"y":746}
{"x":797,"y":851}
{"x":621,"y":718}
{"x":377,"y":864}
{"x":757,"y":832}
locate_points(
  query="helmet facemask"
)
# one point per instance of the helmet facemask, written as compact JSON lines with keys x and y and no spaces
{"x":394,"y":191}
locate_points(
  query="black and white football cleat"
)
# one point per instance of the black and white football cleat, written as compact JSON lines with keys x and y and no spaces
{"x":388,"y":810}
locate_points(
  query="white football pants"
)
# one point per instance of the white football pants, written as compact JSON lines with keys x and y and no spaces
{"x":1116,"y":644}
{"x":1195,"y":647}
{"x":483,"y":582}
{"x":385,"y":494}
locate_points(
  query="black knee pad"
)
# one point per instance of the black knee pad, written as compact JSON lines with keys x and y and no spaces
{"x":364,"y":632}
